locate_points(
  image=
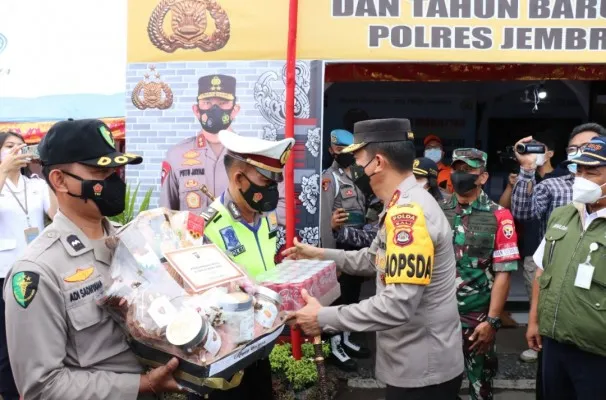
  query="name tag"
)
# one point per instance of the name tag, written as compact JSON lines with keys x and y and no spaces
{"x":584,"y":276}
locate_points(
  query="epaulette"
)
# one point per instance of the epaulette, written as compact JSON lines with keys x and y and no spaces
{"x":209,"y":215}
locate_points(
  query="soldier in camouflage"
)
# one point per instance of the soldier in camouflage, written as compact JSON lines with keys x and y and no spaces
{"x":485,"y":244}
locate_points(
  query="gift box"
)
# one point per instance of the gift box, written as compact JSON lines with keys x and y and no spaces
{"x":319,"y":278}
{"x":176,"y":296}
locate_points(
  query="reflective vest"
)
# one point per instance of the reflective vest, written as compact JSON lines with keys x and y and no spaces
{"x":567,"y":313}
{"x":252,"y":247}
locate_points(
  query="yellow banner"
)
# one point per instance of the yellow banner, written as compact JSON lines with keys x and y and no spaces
{"x":533,"y":31}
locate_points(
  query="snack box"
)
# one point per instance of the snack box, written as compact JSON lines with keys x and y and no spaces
{"x":319,"y":278}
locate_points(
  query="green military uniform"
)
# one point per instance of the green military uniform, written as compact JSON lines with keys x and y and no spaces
{"x":484,"y":243}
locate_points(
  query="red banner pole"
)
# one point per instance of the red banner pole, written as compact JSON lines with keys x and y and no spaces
{"x":289,"y":132}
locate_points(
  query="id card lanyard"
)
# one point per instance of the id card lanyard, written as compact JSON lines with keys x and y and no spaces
{"x":30,"y":233}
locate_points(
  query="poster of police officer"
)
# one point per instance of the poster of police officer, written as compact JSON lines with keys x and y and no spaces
{"x":175,"y":110}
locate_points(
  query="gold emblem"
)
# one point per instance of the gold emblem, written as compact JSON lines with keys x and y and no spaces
{"x":416,"y":164}
{"x":411,"y":136}
{"x":189,"y":25}
{"x":191,"y":154}
{"x":285,"y":155}
{"x":151,"y":93}
{"x":216,"y":84}
{"x":191,"y":183}
{"x":190,"y":162}
{"x":193,"y":200}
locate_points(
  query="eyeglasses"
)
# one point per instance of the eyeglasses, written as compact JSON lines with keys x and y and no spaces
{"x":574,"y":150}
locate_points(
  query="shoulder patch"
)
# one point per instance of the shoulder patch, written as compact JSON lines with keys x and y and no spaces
{"x":231,"y":241}
{"x":25,"y":287}
{"x":325,"y":184}
{"x":166,"y":168}
{"x":409,"y":249}
{"x":209,"y":214}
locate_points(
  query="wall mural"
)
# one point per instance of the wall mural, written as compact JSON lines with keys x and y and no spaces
{"x":174,"y":109}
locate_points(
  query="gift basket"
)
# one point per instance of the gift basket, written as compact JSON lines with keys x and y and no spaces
{"x":176,"y":296}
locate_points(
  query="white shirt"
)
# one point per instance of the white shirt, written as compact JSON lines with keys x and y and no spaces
{"x":588,"y":218}
{"x":13,"y":221}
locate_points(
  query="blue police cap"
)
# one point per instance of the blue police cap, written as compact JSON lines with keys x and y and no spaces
{"x":341,"y":137}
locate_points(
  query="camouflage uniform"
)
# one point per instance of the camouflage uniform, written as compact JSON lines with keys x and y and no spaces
{"x":485,"y":242}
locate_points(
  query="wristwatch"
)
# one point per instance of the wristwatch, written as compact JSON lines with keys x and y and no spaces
{"x":494,"y":322}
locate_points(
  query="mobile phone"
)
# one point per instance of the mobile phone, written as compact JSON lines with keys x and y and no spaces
{"x":32,"y":151}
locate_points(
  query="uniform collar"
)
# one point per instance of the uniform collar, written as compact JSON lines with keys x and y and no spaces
{"x":482,"y":203}
{"x":233,"y":209}
{"x":77,"y":243}
{"x":400,"y":192}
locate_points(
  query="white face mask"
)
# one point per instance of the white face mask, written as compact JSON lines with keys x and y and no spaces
{"x":585,"y":191}
{"x":573,"y":167}
{"x":434,"y":155}
{"x":4,"y":153}
{"x":541,"y":160}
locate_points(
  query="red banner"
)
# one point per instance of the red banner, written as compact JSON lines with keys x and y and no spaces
{"x":33,"y":132}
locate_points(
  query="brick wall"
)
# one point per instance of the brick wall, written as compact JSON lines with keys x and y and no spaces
{"x":151,"y":132}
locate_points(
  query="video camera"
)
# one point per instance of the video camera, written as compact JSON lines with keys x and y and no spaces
{"x":508,"y":158}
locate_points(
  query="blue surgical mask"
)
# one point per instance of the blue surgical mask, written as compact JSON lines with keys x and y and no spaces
{"x":434,"y":155}
{"x":573,"y":167}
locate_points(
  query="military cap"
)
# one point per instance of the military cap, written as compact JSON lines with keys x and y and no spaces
{"x":593,"y":153}
{"x":341,"y":137}
{"x":267,"y":156}
{"x":473,"y":157}
{"x":380,"y":131}
{"x":425,"y":167}
{"x":221,"y":86}
{"x":84,"y":141}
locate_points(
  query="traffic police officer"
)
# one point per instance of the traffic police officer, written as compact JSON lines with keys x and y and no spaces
{"x":568,"y":312}
{"x":61,"y":344}
{"x":344,"y":204}
{"x":243,"y":223}
{"x":486,"y":250}
{"x":414,"y":311}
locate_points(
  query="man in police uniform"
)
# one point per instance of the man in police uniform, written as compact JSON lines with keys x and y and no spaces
{"x":414,"y":311}
{"x":426,"y":172}
{"x":61,"y":344}
{"x":568,"y":311}
{"x":486,"y":250}
{"x":243,"y":223}
{"x":197,"y":163}
{"x":344,"y":205}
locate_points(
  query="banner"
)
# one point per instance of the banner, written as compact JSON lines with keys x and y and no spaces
{"x":33,"y":132}
{"x":504,"y":31}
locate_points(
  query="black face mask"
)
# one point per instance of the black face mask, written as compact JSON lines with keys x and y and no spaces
{"x":108,"y":195}
{"x":261,"y":198}
{"x":344,"y":159}
{"x":463,"y":182}
{"x":216,"y":119}
{"x":361,"y":179}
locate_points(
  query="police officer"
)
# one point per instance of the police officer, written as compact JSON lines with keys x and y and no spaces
{"x":243,"y":223}
{"x":486,"y":250}
{"x":414,"y":311}
{"x":344,"y":204}
{"x":61,"y":344}
{"x":568,"y":312}
{"x":426,"y":172}
{"x":197,"y":162}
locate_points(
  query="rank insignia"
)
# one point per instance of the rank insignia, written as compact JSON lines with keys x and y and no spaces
{"x":231,"y":241}
{"x":80,"y":275}
{"x":233,"y":209}
{"x":192,"y":199}
{"x":325,"y":184}
{"x":201,"y":141}
{"x":25,"y":287}
{"x":75,"y":242}
{"x":394,"y":198}
{"x":272,"y":220}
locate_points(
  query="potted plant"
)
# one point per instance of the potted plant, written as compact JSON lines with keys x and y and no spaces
{"x":129,"y":212}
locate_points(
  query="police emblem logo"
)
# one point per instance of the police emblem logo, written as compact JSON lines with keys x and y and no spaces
{"x":191,"y":183}
{"x":403,"y":224}
{"x":98,"y":189}
{"x":25,"y":287}
{"x":193,"y":200}
{"x":107,"y":135}
{"x":231,"y":241}
{"x":215,"y":82}
{"x":152,"y":93}
{"x":508,"y":231}
{"x":225,"y":119}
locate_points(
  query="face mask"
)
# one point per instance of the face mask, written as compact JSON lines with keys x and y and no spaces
{"x":434,"y":155}
{"x":541,"y":160}
{"x":217,"y":119}
{"x":261,"y":198}
{"x":4,"y":153}
{"x":585,"y":191}
{"x":573,"y":167}
{"x":463,"y":182}
{"x":344,"y":159}
{"x":108,"y":195}
{"x":361,"y":179}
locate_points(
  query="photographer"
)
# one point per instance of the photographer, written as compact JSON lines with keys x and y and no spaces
{"x":532,"y":201}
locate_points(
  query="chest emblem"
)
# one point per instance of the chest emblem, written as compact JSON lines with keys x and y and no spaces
{"x":80,"y":275}
{"x":191,"y":183}
{"x":193,"y":200}
{"x":231,"y":241}
{"x":191,"y":158}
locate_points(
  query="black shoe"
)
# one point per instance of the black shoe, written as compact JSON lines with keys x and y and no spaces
{"x":339,"y":357}
{"x":353,"y":349}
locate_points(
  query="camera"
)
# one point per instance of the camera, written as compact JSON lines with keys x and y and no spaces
{"x":532,"y":147}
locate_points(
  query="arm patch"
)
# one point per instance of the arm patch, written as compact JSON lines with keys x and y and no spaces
{"x":409,"y":248}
